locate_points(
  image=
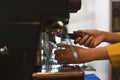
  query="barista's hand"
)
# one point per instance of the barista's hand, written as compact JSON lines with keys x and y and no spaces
{"x":91,"y":38}
{"x":66,"y":55}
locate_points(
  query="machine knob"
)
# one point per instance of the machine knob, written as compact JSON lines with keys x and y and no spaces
{"x":4,"y":50}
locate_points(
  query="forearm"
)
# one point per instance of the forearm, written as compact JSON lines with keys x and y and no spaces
{"x":111,"y":37}
{"x":91,"y":54}
{"x":98,"y":53}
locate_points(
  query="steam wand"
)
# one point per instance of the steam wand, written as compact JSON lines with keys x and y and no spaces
{"x":61,"y":24}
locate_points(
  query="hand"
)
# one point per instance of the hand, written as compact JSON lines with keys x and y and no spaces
{"x":91,"y":38}
{"x":66,"y":55}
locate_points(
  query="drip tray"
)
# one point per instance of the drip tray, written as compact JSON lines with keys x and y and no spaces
{"x":64,"y":72}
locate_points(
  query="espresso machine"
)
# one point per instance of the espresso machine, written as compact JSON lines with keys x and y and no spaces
{"x":28,"y":31}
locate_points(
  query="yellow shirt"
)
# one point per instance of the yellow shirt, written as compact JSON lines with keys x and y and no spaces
{"x":114,"y":53}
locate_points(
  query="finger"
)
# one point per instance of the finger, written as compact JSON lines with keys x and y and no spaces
{"x":91,"y":45}
{"x":58,"y":57}
{"x":86,"y":37}
{"x":94,"y":43}
{"x":61,"y":57}
{"x":97,"y":42}
{"x":87,"y":42}
{"x":59,"y":52}
{"x":77,"y":40}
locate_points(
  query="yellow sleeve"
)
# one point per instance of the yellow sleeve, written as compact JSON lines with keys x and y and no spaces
{"x":114,"y":53}
{"x":118,"y":33}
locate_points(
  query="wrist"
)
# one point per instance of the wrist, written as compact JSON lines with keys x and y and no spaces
{"x":112,"y":37}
